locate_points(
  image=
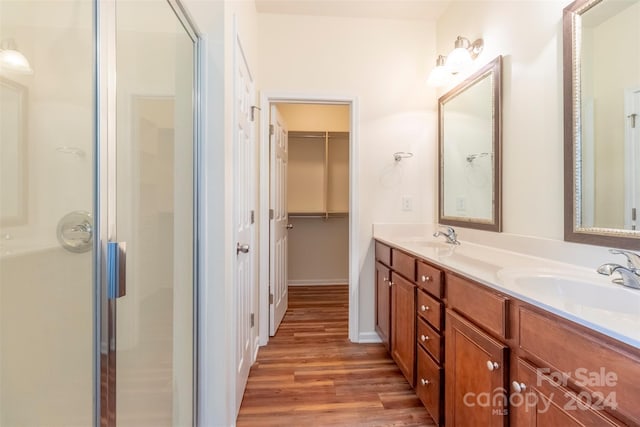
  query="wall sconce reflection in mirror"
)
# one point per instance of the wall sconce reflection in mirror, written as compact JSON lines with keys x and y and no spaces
{"x":461,"y":57}
{"x":12,"y":59}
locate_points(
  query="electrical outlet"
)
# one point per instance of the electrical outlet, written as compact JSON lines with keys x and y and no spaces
{"x":407,"y":203}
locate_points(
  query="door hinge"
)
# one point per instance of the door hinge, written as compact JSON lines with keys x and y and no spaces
{"x":253,"y":217}
{"x":252,"y":320}
{"x":253,"y":111}
{"x":633,"y":214}
{"x":270,"y":213}
{"x":271,"y":130}
{"x":270,"y":298}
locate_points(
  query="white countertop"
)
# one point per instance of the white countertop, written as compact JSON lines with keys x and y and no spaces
{"x":576,"y":293}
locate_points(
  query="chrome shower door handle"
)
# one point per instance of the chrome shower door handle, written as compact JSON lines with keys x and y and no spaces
{"x":116,"y":269}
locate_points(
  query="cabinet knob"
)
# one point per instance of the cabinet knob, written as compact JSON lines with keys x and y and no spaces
{"x":518,"y":387}
{"x":384,"y":279}
{"x":390,"y":283}
{"x":492,"y":366}
{"x":424,"y":307}
{"x":426,"y":278}
{"x":424,"y":382}
{"x":424,"y":338}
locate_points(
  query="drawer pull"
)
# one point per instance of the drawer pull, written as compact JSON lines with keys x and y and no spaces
{"x":424,"y":307}
{"x":424,"y":338}
{"x":424,"y":382}
{"x":518,"y":387}
{"x":426,"y":278}
{"x":492,"y":366}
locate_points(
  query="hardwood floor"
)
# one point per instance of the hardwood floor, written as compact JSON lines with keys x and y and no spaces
{"x":310,"y":374}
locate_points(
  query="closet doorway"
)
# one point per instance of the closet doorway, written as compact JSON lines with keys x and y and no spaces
{"x":308,"y":233}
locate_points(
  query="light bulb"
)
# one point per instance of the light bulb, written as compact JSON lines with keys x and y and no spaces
{"x":440,"y":75}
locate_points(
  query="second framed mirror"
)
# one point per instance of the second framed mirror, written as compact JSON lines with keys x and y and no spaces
{"x":469,"y":142}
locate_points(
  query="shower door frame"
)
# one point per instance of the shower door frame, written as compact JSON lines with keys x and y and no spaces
{"x":104,"y":375}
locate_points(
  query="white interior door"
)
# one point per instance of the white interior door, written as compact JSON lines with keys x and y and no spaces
{"x":279,"y":221}
{"x":244,"y":197}
{"x":632,"y":158}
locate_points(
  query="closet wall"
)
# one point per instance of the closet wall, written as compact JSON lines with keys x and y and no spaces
{"x":318,"y":193}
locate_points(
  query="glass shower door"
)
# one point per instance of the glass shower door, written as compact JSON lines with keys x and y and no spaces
{"x":155,"y":215}
{"x":47,"y":140}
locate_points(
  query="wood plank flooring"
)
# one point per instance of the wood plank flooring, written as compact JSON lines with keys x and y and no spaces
{"x":310,"y":374}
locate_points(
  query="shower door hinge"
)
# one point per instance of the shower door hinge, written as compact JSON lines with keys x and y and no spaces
{"x":252,"y":320}
{"x":633,"y":119}
{"x":270,"y":298}
{"x":270,"y":213}
{"x":271,"y":130}
{"x":633,"y":214}
{"x":253,"y":217}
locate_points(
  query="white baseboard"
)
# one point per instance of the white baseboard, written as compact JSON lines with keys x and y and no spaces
{"x":321,"y":282}
{"x":368,"y":337}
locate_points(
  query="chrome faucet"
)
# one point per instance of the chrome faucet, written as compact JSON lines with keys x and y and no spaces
{"x":630,"y":275}
{"x":450,"y":235}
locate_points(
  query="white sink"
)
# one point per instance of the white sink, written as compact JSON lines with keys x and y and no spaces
{"x":576,"y":292}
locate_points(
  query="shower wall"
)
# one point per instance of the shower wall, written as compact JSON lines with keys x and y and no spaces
{"x":46,"y":306}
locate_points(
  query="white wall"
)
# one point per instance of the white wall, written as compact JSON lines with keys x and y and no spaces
{"x":384,"y":64}
{"x":529,"y":35}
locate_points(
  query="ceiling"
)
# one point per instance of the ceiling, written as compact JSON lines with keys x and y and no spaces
{"x":381,"y":9}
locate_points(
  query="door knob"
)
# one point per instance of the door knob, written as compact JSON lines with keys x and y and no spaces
{"x":242,"y":248}
{"x":289,"y":226}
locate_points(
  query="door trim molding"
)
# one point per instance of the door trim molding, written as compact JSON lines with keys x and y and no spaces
{"x":266,"y":98}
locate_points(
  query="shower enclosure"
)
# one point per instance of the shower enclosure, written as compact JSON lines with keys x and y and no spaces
{"x":98,"y":167}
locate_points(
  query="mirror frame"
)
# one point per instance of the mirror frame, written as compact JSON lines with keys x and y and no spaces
{"x":494,"y":70}
{"x":573,"y":232}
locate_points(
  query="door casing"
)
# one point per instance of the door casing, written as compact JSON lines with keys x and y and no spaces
{"x":266,"y":99}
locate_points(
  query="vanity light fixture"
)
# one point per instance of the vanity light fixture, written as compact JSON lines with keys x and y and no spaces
{"x":461,"y":57}
{"x":12,"y":59}
{"x":440,"y":75}
{"x":463,"y":54}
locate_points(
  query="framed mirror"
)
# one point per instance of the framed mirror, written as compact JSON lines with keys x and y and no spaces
{"x":469,"y":142}
{"x":13,"y":173}
{"x":602,"y":122}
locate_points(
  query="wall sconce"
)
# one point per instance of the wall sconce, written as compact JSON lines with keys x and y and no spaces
{"x":12,"y":59}
{"x":440,"y":75}
{"x":461,"y":57}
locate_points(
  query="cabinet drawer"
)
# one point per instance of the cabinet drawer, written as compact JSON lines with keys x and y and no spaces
{"x":487,"y":309}
{"x":428,"y":385}
{"x":403,"y":264}
{"x":430,"y":309}
{"x":546,"y":403}
{"x":430,"y":339}
{"x":430,"y":279}
{"x":383,"y":253}
{"x":591,"y":364}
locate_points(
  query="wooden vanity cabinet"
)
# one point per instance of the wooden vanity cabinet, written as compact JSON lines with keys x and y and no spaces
{"x":403,"y":325}
{"x":430,"y":342}
{"x":476,"y":375}
{"x":383,"y":304}
{"x":396,"y":306}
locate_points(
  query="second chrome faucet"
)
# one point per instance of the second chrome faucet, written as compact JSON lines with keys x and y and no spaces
{"x":629,"y":275}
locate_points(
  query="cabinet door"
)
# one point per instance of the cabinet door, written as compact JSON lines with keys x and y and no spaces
{"x":476,"y":376}
{"x":403,"y":325}
{"x":538,"y":400}
{"x":383,"y":304}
